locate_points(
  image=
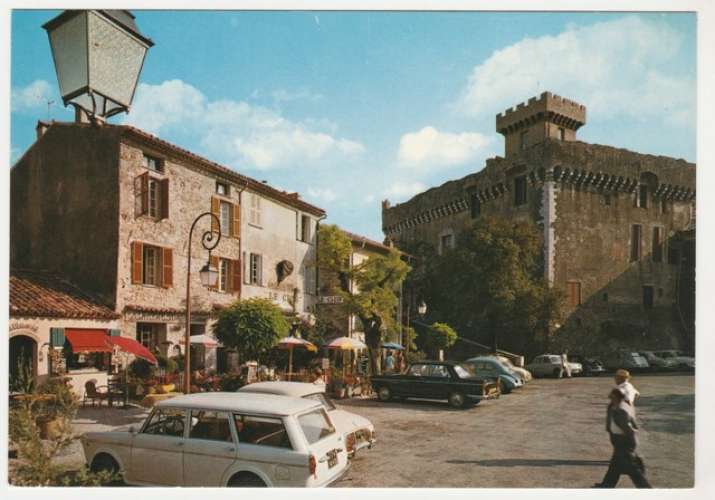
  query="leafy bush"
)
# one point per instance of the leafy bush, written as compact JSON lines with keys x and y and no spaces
{"x":142,"y":369}
{"x":232,"y":382}
{"x":438,"y":336}
{"x":415,"y":357}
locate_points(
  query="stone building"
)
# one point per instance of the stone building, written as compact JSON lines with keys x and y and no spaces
{"x":110,"y":207}
{"x":618,"y":226}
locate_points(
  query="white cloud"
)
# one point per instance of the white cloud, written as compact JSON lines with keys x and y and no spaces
{"x":322,"y":194}
{"x":236,"y":132}
{"x":429,"y":147}
{"x":614,"y":68}
{"x":400,"y":191}
{"x":283,"y":95}
{"x":33,"y":97}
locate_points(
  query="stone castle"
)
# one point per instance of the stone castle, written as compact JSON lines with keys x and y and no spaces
{"x":618,"y":226}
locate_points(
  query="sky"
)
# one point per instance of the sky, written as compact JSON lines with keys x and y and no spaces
{"x":350,"y":108}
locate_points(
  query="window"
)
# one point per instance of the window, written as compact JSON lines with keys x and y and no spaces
{"x":224,"y":275}
{"x":574,"y":293}
{"x":262,"y":431}
{"x":256,"y":269}
{"x":82,"y":360}
{"x":151,"y":197}
{"x":635,"y":242}
{"x":225,"y":217}
{"x":475,"y":205}
{"x":642,"y":196}
{"x":440,"y":371}
{"x":523,"y":140}
{"x":316,"y":425}
{"x":148,"y":335}
{"x":562,"y":134}
{"x":153,"y":163}
{"x":648,"y":297}
{"x":210,"y":425}
{"x":151,"y":265}
{"x":223,"y":189}
{"x":254,"y":211}
{"x":304,"y":229}
{"x":419,"y":370}
{"x":166,"y":422}
{"x":657,"y":252}
{"x":446,"y":242}
{"x":519,"y":190}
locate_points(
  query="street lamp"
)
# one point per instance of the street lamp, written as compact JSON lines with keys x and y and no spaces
{"x":422,"y":308}
{"x":98,"y":56}
{"x":209,"y":277}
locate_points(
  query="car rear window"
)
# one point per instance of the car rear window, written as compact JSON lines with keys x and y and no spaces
{"x":316,"y":425}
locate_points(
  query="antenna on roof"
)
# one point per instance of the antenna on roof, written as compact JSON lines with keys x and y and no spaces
{"x":50,"y":102}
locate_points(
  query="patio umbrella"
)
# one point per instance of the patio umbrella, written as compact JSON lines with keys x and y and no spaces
{"x":393,"y":345}
{"x":345,"y":344}
{"x":291,"y":342}
{"x":131,"y":346}
{"x":205,"y":340}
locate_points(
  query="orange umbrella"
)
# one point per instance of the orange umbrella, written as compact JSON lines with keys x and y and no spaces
{"x":291,"y":342}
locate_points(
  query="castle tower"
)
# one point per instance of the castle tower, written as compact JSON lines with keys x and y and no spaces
{"x":549,"y":116}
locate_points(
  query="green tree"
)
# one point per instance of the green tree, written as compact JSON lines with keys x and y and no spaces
{"x":490,"y":287}
{"x":375,"y":284}
{"x":437,"y":337}
{"x":251,"y":326}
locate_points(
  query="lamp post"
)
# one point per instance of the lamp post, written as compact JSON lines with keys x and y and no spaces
{"x":208,"y":275}
{"x":98,"y":56}
{"x":421,"y":310}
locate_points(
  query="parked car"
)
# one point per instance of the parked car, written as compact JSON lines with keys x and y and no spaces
{"x":522,"y":372}
{"x":658,"y":363}
{"x":592,"y":367}
{"x":358,"y":432}
{"x":437,"y":380}
{"x":491,"y":367}
{"x":225,"y":439}
{"x":630,"y":360}
{"x":684,"y":362}
{"x":549,"y":365}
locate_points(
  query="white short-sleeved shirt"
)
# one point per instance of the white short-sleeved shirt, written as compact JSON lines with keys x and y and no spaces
{"x":631,"y":393}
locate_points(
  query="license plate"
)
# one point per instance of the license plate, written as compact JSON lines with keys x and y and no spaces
{"x":332,"y":459}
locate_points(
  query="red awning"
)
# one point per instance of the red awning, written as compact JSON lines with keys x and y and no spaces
{"x":87,"y":340}
{"x":132,"y":347}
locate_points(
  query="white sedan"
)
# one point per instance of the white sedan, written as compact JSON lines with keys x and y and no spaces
{"x":225,"y":439}
{"x":358,"y":431}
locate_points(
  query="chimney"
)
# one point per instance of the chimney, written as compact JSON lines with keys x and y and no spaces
{"x":41,"y":128}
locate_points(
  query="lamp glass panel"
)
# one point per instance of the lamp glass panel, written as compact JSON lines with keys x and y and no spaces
{"x":115,"y":59}
{"x":69,"y":50}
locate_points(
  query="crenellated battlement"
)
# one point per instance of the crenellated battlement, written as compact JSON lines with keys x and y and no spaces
{"x":549,"y":107}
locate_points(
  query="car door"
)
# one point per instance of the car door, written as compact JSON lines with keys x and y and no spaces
{"x":157,"y":450}
{"x":437,"y":383}
{"x":210,"y":448}
{"x":416,"y":381}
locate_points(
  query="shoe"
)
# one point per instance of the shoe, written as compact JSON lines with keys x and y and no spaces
{"x":598,"y":485}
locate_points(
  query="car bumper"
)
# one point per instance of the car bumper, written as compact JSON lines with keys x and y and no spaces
{"x":481,"y":397}
{"x":332,"y":479}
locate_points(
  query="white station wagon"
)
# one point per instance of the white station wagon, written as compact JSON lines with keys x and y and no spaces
{"x":358,"y":432}
{"x":225,"y":439}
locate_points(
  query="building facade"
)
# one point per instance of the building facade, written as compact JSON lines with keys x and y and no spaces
{"x":110,"y":207}
{"x":615,"y":223}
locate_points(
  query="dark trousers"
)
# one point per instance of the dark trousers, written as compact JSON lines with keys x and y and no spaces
{"x":625,"y":460}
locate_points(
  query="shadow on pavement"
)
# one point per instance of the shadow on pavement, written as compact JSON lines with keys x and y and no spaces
{"x":671,"y":413}
{"x":419,"y":404}
{"x":526,"y":462}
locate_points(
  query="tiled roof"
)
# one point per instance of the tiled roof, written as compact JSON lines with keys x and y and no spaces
{"x":45,"y":294}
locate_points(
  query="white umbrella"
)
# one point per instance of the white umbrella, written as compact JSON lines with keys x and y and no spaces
{"x":291,"y":342}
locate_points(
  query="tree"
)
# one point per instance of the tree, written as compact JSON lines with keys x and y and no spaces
{"x":251,"y":326}
{"x":439,"y":336}
{"x":490,"y":287}
{"x":375,"y":284}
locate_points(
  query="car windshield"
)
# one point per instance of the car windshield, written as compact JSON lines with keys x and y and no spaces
{"x":316,"y":425}
{"x":322,"y":399}
{"x":463,"y":371}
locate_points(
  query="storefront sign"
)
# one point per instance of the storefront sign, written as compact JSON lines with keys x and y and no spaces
{"x":23,"y":326}
{"x":331,"y":299}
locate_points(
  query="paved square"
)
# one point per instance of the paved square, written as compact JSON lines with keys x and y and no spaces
{"x":551,"y":433}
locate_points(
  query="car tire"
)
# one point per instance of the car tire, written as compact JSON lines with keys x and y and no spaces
{"x":457,"y":400}
{"x":384,"y":393}
{"x":246,"y":480}
{"x":506,"y":389}
{"x":106,"y":463}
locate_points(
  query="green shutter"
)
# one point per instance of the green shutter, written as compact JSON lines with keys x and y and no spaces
{"x":57,"y":337}
{"x":115,"y":332}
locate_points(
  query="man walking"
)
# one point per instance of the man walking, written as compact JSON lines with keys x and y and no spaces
{"x":622,"y":427}
{"x":623,"y":382}
{"x":565,"y":367}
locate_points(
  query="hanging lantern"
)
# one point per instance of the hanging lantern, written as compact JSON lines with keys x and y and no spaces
{"x":98,"y":56}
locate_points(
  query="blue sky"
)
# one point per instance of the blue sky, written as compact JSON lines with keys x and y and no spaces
{"x":351,"y":108}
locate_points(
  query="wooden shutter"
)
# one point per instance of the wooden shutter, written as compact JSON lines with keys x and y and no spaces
{"x":236,"y":275}
{"x":57,"y":337}
{"x":141,"y":194}
{"x":236,"y":220}
{"x":164,"y":187}
{"x":167,"y":262}
{"x":137,"y":265}
{"x":215,"y":209}
{"x":259,"y":265}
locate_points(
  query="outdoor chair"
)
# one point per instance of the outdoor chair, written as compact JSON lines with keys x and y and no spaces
{"x":94,"y":393}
